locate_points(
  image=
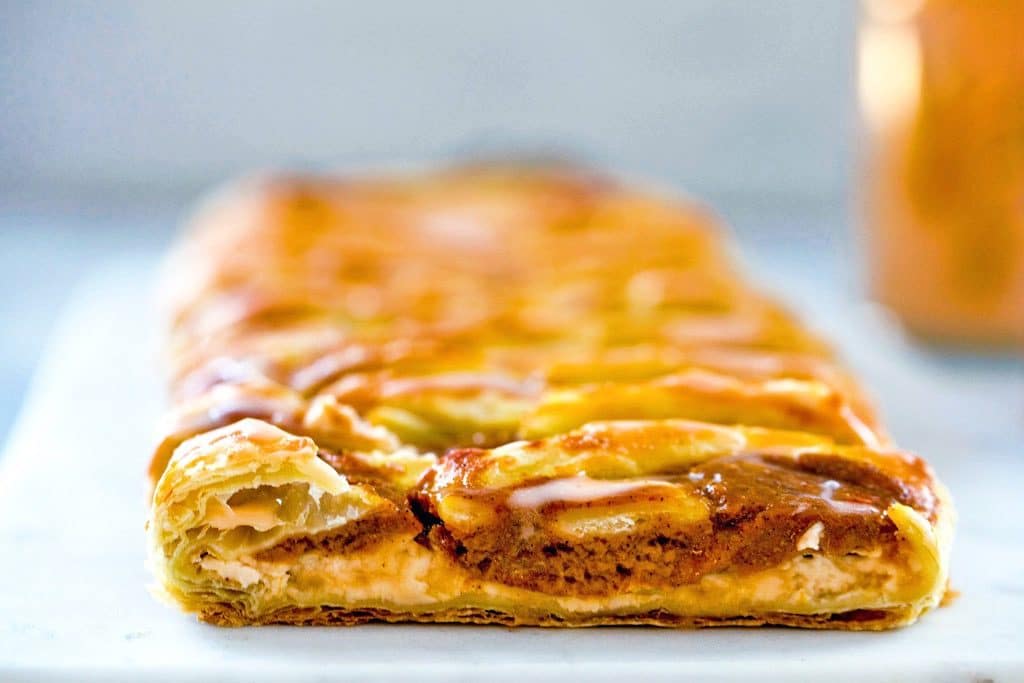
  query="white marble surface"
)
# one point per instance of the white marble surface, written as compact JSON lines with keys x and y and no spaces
{"x":73,"y":603}
{"x":49,"y":241}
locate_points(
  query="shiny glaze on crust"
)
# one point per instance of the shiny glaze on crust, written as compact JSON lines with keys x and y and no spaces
{"x":480,"y":274}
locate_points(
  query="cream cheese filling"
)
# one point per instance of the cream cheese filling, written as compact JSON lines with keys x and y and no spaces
{"x":400,"y":575}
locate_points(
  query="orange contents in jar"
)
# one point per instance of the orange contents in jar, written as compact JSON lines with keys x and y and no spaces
{"x":942,"y":92}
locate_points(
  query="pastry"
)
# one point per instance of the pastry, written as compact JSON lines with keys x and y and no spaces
{"x":518,"y":396}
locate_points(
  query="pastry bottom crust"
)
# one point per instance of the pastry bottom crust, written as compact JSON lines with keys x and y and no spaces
{"x":856,"y":620}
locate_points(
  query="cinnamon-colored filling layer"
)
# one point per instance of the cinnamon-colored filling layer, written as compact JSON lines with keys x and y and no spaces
{"x":762,"y":511}
{"x":356,"y":536}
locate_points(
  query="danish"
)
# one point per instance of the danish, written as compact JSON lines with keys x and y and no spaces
{"x":518,"y":396}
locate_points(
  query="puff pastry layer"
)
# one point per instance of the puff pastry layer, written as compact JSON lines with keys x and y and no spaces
{"x":515,"y":396}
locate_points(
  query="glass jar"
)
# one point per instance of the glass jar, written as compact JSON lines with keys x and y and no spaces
{"x":941,"y":87}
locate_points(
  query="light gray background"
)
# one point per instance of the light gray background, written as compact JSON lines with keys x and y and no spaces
{"x":113,"y":115}
{"x":724,"y":95}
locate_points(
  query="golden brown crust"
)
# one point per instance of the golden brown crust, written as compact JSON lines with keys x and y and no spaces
{"x":284,"y":295}
{"x":854,"y":620}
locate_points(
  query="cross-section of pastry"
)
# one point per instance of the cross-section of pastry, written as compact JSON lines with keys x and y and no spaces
{"x":517,"y":396}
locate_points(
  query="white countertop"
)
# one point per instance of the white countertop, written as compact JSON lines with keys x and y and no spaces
{"x":73,"y":602}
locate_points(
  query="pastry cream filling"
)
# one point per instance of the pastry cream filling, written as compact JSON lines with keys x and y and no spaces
{"x":402,"y":576}
{"x":240,"y":573}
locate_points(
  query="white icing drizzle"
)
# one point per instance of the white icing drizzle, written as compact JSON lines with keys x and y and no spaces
{"x":578,"y":489}
{"x":828,"y":489}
